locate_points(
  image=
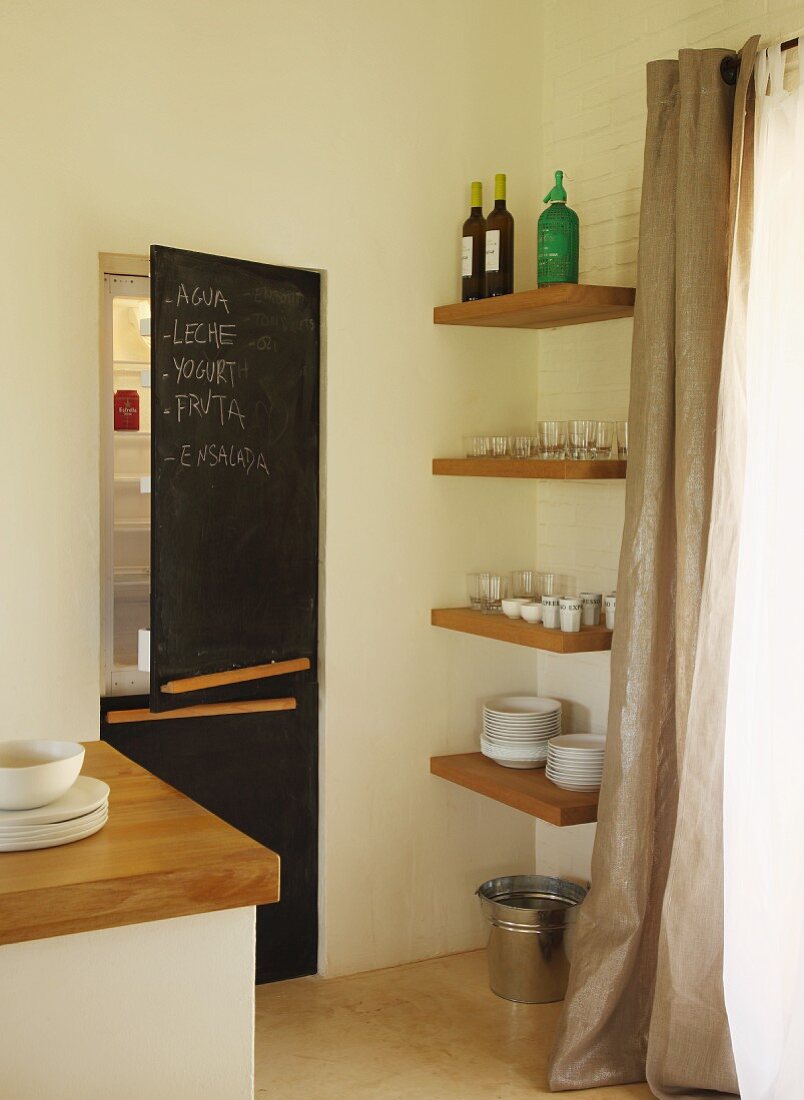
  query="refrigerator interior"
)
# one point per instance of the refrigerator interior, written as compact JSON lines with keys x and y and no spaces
{"x":125,"y":509}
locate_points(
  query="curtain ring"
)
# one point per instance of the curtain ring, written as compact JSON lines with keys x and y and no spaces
{"x":730,"y":69}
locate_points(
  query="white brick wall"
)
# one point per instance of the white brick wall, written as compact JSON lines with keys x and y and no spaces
{"x":593,"y":102}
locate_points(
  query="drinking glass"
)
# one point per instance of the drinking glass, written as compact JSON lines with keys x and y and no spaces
{"x":519,"y":446}
{"x":622,"y":439}
{"x":498,"y":445}
{"x":476,"y":446}
{"x":493,"y":590}
{"x":552,"y":435}
{"x":524,"y":582}
{"x":474,"y":589}
{"x":558,"y":584}
{"x":581,"y":434}
{"x":601,"y":443}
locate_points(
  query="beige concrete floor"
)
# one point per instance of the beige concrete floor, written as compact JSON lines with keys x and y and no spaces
{"x":428,"y":1031}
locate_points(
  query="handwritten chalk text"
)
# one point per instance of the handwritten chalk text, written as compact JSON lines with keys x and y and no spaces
{"x":218,"y":404}
{"x":221,"y":454}
{"x":218,"y":372}
{"x":202,"y":296}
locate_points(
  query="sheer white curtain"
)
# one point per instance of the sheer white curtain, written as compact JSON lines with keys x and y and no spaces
{"x":761,"y":460}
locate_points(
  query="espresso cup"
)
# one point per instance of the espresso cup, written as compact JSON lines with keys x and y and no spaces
{"x":610,"y":604}
{"x":591,"y":608}
{"x":570,"y":608}
{"x":551,"y":607}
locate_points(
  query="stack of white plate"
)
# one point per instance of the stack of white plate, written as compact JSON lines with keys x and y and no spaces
{"x":575,"y":761}
{"x":516,"y":729}
{"x":82,"y":811}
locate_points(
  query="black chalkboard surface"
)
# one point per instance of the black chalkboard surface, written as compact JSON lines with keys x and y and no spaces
{"x":235,"y":421}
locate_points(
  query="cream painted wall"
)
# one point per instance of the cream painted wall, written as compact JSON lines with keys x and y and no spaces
{"x":593,"y":127}
{"x":339,"y":136}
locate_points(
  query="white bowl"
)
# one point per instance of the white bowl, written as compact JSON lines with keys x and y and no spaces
{"x":527,"y":705}
{"x":531,"y":612}
{"x":511,"y":608}
{"x":35,"y":773}
{"x":522,"y":760}
{"x":513,"y":752}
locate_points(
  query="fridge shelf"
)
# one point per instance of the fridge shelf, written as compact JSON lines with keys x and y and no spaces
{"x":137,"y":368}
{"x":132,"y":525}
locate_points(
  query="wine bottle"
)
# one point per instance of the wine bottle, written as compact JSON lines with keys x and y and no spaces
{"x":473,"y":268}
{"x":499,"y":244}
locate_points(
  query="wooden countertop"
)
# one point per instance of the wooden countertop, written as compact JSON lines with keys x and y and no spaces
{"x":160,"y":855}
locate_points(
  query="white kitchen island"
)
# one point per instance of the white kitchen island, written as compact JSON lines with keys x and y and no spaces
{"x":127,"y":958}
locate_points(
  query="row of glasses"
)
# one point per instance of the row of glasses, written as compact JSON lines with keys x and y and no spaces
{"x":487,"y":590}
{"x":555,"y":439}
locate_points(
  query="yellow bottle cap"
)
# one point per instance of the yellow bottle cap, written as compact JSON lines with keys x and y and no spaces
{"x":477,"y":193}
{"x":499,"y":186}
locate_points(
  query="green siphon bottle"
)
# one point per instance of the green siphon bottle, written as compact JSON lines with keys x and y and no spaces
{"x":558,"y":238}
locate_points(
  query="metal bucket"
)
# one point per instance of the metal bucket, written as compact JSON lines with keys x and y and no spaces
{"x":530,"y":943}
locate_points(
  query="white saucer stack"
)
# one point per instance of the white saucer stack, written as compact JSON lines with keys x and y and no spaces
{"x":516,"y":729}
{"x":79,"y":813}
{"x":575,"y":761}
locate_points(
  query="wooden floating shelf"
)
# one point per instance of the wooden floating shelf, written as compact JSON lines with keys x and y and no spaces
{"x":590,"y":639}
{"x":547,"y":307}
{"x":564,"y":469}
{"x":529,"y":791}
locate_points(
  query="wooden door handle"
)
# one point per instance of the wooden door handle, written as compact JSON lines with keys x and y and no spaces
{"x":235,"y":676}
{"x":209,"y":710}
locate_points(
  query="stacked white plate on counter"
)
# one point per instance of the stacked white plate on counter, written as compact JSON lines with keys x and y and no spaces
{"x":517,"y":728}
{"x":79,"y":813}
{"x":575,"y":761}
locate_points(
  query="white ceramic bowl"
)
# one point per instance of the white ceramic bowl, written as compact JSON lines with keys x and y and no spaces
{"x":531,"y":612}
{"x":511,"y":607}
{"x":522,"y":759}
{"x":533,"y":751}
{"x":35,"y":773}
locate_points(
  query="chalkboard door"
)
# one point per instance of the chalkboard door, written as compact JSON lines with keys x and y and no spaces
{"x":235,"y":422}
{"x":234,"y":562}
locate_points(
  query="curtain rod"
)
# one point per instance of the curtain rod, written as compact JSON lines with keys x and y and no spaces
{"x":730,"y":66}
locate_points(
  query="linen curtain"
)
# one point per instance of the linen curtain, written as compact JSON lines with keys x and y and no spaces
{"x":645,"y":998}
